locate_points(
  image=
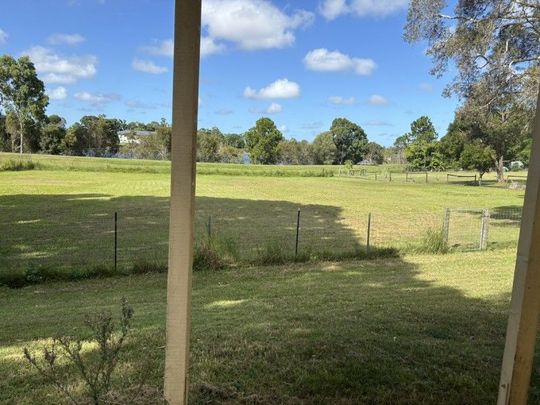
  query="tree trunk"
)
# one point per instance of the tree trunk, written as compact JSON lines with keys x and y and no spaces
{"x":21,"y":128}
{"x":500,"y":169}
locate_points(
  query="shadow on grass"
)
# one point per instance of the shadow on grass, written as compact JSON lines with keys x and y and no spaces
{"x":73,"y":236}
{"x":354,"y":332}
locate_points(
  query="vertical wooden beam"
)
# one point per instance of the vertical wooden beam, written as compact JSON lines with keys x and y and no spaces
{"x":187,"y":28}
{"x":525,"y":305}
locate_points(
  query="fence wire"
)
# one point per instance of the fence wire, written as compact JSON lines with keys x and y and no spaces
{"x":71,"y":238}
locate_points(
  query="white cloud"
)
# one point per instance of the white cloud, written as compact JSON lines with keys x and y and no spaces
{"x":331,"y":9}
{"x":96,"y":99}
{"x":3,"y":36}
{"x":338,"y":100}
{"x":59,"y":69}
{"x":274,"y":108}
{"x":323,"y":60}
{"x":65,"y":39}
{"x":160,"y":48}
{"x":252,"y":24}
{"x":425,"y":87}
{"x":148,"y":66}
{"x":282,"y":88}
{"x":58,"y":93}
{"x":209,"y":46}
{"x":377,"y":99}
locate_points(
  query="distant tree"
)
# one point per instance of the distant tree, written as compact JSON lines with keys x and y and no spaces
{"x":477,"y":156}
{"x":262,"y":141}
{"x":375,"y":153}
{"x":5,"y":144}
{"x":234,"y":140}
{"x":502,"y":127}
{"x":52,"y":135}
{"x":451,"y":145}
{"x":77,"y":140}
{"x":288,"y":152}
{"x":306,"y":153}
{"x":230,"y":154}
{"x":324,"y":149}
{"x":420,"y":145}
{"x":103,"y":137}
{"x":209,"y":143}
{"x":22,"y":94}
{"x":350,"y":140}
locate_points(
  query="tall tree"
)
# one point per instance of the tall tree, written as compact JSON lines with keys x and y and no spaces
{"x":22,"y":93}
{"x":375,"y":153}
{"x":324,"y":148}
{"x":495,"y":45}
{"x":477,"y":156}
{"x":52,"y":135}
{"x":350,"y":140}
{"x":209,"y":142}
{"x":420,"y":145}
{"x":262,"y":141}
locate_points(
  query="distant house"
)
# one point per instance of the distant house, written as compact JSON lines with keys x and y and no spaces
{"x":131,"y":135}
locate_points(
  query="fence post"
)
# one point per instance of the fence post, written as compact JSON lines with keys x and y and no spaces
{"x":484,"y":229}
{"x":368,"y":233}
{"x":426,"y":177}
{"x":446,"y":225}
{"x":115,"y":241}
{"x":297,"y":233}
{"x":209,"y":228}
{"x":406,"y":177}
{"x":390,"y":176}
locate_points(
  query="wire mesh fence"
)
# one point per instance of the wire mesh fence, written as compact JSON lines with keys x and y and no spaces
{"x":68,"y":239}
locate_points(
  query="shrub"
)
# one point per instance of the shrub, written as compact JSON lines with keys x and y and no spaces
{"x":18,"y":165}
{"x":273,"y":252}
{"x":95,"y":371}
{"x":215,"y":252}
{"x":433,"y":242}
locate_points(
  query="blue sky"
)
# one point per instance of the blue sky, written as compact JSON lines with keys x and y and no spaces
{"x":300,"y":62}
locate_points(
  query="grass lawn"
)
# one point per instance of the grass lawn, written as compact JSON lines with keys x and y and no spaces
{"x":420,"y":329}
{"x":64,"y":218}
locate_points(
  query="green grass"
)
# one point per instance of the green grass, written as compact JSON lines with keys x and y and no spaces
{"x":60,"y":220}
{"x":412,"y":330}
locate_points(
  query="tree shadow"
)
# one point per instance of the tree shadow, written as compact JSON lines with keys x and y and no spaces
{"x":376,"y":331}
{"x":73,"y":231}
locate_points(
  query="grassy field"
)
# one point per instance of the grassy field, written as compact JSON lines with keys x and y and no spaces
{"x":408,"y":329}
{"x":64,"y":219}
{"x":418,"y":329}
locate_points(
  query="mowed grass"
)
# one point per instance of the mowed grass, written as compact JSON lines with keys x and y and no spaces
{"x":419,"y":329}
{"x":65,"y":218}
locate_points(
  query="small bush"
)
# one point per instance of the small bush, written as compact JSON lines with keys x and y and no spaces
{"x":94,"y":371}
{"x":207,"y":257}
{"x":433,"y":242}
{"x":273,"y":252}
{"x":144,"y":266}
{"x":15,"y":165}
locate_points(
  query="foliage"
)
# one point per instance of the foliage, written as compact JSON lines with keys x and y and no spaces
{"x":22,"y":93}
{"x":494,"y":42}
{"x":292,"y":152}
{"x":434,"y":242}
{"x":16,"y":165}
{"x":52,"y":135}
{"x":262,"y":141}
{"x":477,"y":156}
{"x":350,"y":140}
{"x":324,"y":149}
{"x":375,"y":153}
{"x":208,"y":144}
{"x":95,"y":371}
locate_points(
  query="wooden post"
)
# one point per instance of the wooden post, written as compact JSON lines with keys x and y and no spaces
{"x":484,"y":229}
{"x":368,"y":237}
{"x":446,"y":225}
{"x":187,"y":27}
{"x":297,"y":233}
{"x":525,"y":304}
